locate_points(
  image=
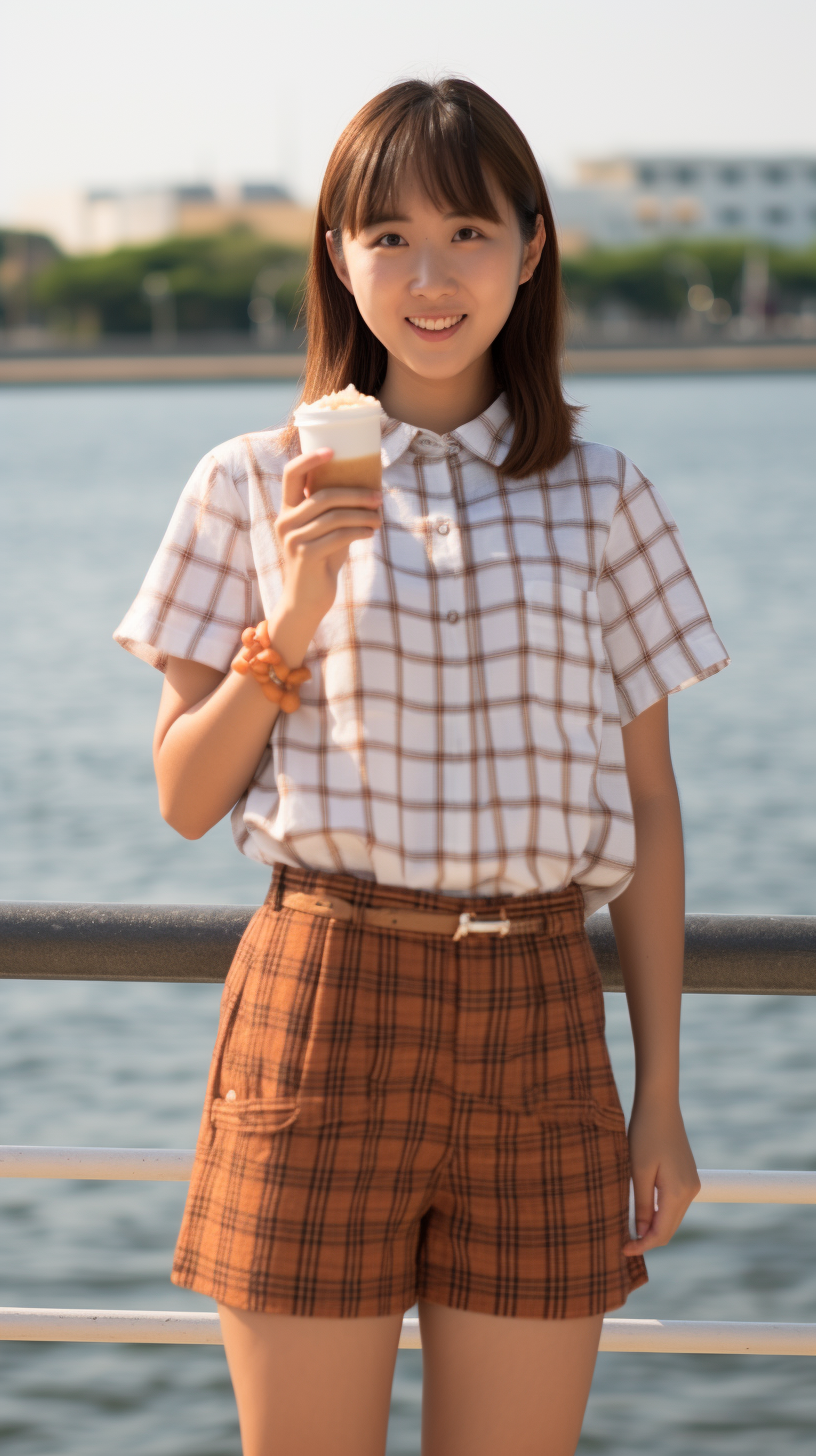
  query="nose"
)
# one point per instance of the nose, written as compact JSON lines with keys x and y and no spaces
{"x":431,"y":279}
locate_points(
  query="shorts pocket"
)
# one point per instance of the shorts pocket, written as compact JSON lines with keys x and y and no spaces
{"x":274,"y":1115}
{"x":567,"y":1061}
{"x":253,"y":1114}
{"x":585,"y":1111}
{"x":297,"y":1046}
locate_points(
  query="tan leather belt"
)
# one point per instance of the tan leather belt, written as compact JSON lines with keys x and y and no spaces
{"x":428,"y":922}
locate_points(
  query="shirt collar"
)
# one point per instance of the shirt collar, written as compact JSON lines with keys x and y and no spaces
{"x":487,"y":437}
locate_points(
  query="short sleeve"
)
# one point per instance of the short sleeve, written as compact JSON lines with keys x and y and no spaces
{"x":658,"y":635}
{"x":201,"y":589}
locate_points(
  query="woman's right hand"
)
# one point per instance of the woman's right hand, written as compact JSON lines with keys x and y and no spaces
{"x":212,"y":729}
{"x":315,"y":528}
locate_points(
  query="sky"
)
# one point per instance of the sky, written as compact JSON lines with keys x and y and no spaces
{"x":115,"y":93}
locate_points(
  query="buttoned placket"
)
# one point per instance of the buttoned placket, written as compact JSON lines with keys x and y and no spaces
{"x":448,"y":563}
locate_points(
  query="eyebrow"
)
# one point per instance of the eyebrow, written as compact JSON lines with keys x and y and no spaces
{"x":399,"y":217}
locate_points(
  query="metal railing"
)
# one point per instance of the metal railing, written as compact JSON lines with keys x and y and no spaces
{"x":759,"y":955}
{"x":772,"y":955}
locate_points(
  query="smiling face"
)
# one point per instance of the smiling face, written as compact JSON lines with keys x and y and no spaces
{"x":436,"y":286}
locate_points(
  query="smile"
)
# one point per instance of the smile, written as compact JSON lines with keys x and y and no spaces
{"x":437,"y":328}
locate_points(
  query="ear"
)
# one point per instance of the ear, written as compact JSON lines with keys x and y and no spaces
{"x":338,"y":261}
{"x":532,"y":251}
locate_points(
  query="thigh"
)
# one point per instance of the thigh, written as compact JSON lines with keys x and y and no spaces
{"x":311,"y":1386}
{"x":494,"y":1384}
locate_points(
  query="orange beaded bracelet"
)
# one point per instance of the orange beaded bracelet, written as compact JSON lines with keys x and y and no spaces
{"x":277,"y":682}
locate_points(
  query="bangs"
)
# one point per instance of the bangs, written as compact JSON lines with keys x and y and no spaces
{"x":433,"y":144}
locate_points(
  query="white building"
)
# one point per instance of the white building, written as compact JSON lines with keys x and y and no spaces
{"x":96,"y":221}
{"x":635,"y":199}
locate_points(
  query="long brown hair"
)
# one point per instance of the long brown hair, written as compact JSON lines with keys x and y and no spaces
{"x":446,"y":133}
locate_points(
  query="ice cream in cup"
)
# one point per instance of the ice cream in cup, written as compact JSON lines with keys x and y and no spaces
{"x":349,"y":423}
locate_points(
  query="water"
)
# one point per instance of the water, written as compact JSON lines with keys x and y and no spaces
{"x":88,"y":478}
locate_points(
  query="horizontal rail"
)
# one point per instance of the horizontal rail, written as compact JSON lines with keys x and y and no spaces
{"x":707,"y":1337}
{"x":174,"y":1165}
{"x":737,"y":1185}
{"x":739,"y":954}
{"x":165,"y":1327}
{"x":138,"y":1165}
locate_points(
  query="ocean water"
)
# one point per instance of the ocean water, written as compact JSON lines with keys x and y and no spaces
{"x":88,"y":478}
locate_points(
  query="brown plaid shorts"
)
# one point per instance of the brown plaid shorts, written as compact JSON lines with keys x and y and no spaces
{"x":392,"y":1115}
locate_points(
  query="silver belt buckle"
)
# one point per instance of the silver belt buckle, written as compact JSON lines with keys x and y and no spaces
{"x":468,"y":923}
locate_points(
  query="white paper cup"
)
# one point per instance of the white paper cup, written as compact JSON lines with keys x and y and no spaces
{"x":353,"y":432}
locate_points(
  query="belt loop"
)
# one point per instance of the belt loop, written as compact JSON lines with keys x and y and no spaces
{"x":278,"y":875}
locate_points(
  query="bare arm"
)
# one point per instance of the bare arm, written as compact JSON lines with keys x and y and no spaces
{"x":211,"y":731}
{"x":211,"y":728}
{"x":648,"y":920}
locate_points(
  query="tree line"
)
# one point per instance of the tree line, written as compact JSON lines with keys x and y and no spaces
{"x":235,"y":281}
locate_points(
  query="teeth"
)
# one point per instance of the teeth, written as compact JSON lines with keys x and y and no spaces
{"x":436,"y":324}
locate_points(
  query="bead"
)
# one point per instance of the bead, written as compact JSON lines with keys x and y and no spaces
{"x":277,"y":681}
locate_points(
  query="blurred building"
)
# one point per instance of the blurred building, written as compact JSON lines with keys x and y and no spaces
{"x":96,"y":221}
{"x":619,"y":201}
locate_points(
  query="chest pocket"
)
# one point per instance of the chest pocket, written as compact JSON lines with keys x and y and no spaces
{"x":565,"y":655}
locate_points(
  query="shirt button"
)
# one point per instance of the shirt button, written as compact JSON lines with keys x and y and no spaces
{"x":443,"y":528}
{"x":453,"y":616}
{"x":231,"y":1095}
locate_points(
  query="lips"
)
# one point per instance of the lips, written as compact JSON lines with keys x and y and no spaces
{"x":441,"y":327}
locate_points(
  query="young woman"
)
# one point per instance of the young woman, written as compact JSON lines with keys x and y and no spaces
{"x":410,"y":1098}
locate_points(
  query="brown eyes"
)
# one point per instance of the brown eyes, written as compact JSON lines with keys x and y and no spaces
{"x":394,"y":240}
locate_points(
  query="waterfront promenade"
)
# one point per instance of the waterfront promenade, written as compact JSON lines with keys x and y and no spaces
{"x":169,"y":367}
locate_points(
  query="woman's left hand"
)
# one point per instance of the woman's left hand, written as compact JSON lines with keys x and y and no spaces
{"x":662,"y":1163}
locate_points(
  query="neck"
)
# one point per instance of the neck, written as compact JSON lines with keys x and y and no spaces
{"x":440,"y":405}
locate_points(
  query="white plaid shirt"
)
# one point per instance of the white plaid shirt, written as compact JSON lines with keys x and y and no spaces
{"x":461,"y":731}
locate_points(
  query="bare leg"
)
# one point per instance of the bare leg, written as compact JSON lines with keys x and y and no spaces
{"x":307,"y":1386}
{"x":493,"y":1386}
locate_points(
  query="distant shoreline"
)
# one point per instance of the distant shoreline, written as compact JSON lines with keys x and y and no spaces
{"x":752,"y":358}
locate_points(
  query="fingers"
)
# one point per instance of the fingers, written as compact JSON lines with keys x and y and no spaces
{"x":656,"y":1226}
{"x":341,"y":495}
{"x":296,"y":474}
{"x":664,"y":1223}
{"x":361,"y":521}
{"x":315,"y":523}
{"x":643,"y":1183}
{"x":330,"y":499}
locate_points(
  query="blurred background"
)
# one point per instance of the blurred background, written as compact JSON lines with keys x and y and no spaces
{"x":158,"y":170}
{"x":160,"y":162}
